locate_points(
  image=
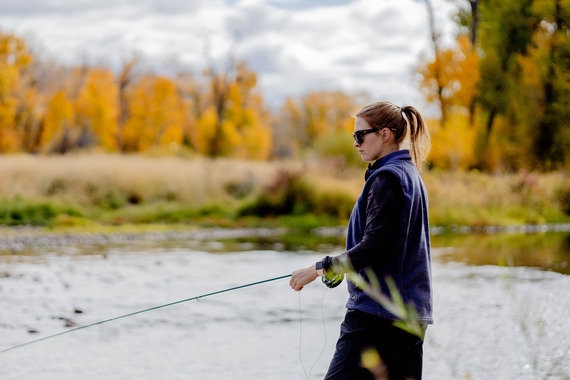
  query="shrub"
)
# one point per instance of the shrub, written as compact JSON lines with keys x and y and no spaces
{"x":291,"y":194}
{"x":36,"y":214}
{"x":280,"y":197}
{"x":239,"y":190}
{"x":106,"y":197}
{"x":563,"y":195}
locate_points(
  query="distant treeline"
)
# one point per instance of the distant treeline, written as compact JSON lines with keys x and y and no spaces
{"x":503,"y":90}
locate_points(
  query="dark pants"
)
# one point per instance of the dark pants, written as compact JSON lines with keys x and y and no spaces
{"x":400,"y":351}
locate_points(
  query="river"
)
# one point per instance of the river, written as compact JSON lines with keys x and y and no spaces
{"x":507,"y":321}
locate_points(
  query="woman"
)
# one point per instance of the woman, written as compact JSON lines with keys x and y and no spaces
{"x":388,"y":233}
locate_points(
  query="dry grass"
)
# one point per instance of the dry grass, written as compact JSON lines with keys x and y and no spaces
{"x":81,"y":179}
{"x":100,"y":181}
{"x":472,"y":198}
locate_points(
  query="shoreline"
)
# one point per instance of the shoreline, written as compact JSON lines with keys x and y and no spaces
{"x":21,"y":238}
{"x":16,"y":239}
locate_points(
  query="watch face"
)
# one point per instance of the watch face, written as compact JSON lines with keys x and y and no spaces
{"x":319,"y":265}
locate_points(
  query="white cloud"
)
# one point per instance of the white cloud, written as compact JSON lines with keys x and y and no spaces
{"x":356,"y":46}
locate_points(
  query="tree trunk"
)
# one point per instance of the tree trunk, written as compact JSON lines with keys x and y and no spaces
{"x":437,"y":69}
{"x":547,"y":126}
{"x":474,"y":21}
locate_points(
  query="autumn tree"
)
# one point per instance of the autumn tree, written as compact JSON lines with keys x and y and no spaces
{"x":156,"y":116}
{"x":14,"y":58}
{"x":287,"y":131}
{"x":516,"y":77}
{"x":524,"y":80}
{"x":436,"y":76}
{"x":505,"y":34}
{"x":319,"y":121}
{"x":125,"y":79}
{"x":233,"y":122}
{"x":451,"y":79}
{"x":97,"y":107}
{"x":246,"y":116}
{"x":546,"y":84}
{"x":193,"y":102}
{"x":58,"y":124}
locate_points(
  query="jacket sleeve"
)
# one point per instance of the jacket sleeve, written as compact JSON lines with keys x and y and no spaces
{"x":384,"y":207}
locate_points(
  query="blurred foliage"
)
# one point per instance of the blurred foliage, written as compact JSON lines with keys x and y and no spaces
{"x":114,"y":189}
{"x":479,"y":199}
{"x":20,"y":212}
{"x":504,"y":88}
{"x":46,"y":108}
{"x":292,"y":194}
{"x":314,"y":119}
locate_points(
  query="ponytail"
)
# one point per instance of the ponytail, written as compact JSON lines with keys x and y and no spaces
{"x":420,"y":141}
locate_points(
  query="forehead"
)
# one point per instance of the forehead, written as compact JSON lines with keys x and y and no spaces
{"x":360,"y":124}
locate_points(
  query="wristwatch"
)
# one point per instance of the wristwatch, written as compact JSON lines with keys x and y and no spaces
{"x":319,"y":268}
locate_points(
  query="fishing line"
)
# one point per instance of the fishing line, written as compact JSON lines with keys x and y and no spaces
{"x":197,"y":298}
{"x":301,"y":338}
{"x":307,"y":376}
{"x":324,"y":331}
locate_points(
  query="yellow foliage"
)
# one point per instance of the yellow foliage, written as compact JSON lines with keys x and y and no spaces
{"x":8,"y":137}
{"x":231,"y":138}
{"x":172,"y":136}
{"x":14,"y":50}
{"x":9,"y":75}
{"x":452,"y":144}
{"x":206,"y":130}
{"x":234,"y":123}
{"x":317,"y":114}
{"x":456,"y":71}
{"x":156,"y":116}
{"x":256,"y":137}
{"x":59,"y":115}
{"x":97,"y":106}
{"x":327,"y":112}
{"x":500,"y":146}
{"x":167,"y":112}
{"x":246,"y":113}
{"x":246,"y":79}
{"x":14,"y":57}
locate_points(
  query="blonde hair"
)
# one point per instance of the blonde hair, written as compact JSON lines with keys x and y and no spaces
{"x":385,"y":114}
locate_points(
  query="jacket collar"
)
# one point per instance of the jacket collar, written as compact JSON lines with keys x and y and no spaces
{"x":394,"y":156}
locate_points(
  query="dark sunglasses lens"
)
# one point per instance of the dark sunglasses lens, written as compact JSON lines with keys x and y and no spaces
{"x":358,"y":137}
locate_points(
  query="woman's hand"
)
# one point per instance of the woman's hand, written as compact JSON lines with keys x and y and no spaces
{"x":302,"y":277}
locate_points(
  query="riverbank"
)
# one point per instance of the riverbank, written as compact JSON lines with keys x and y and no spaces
{"x":92,"y":192}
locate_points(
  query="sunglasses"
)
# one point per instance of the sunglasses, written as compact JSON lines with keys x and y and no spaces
{"x":358,"y":135}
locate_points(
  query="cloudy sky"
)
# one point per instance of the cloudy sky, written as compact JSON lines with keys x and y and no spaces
{"x":295,"y":46}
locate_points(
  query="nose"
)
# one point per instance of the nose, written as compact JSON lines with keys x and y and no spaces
{"x":356,"y":144}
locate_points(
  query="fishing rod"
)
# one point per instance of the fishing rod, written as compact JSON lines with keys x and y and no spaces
{"x":143,"y":311}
